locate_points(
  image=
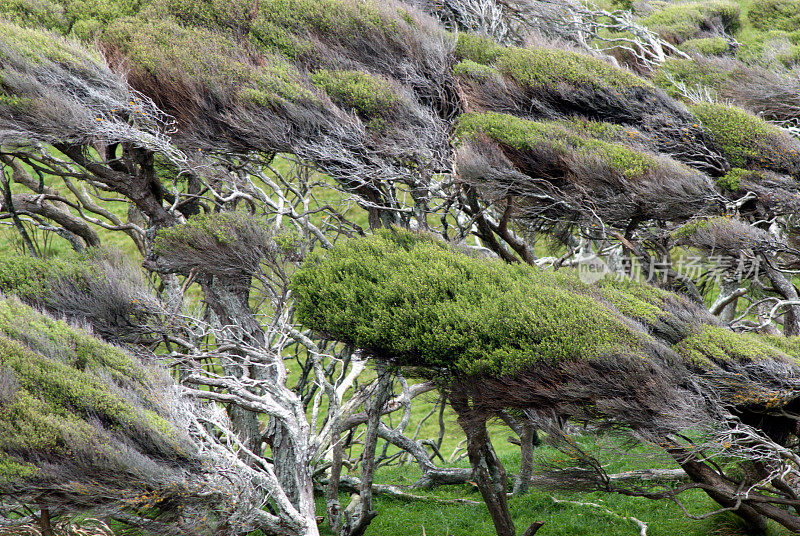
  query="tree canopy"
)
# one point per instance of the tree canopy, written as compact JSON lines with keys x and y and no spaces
{"x":265,"y":197}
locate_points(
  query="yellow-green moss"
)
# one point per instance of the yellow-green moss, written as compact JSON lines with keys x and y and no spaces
{"x":289,"y":26}
{"x":477,"y":49}
{"x":43,"y":14}
{"x":14,"y":101}
{"x":32,"y":278}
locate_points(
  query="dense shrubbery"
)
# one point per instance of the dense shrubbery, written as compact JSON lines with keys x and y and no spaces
{"x":206,"y":130}
{"x":413,"y":300}
{"x":501,"y":336}
{"x":748,"y":141}
{"x":681,"y":21}
{"x":775,"y":15}
{"x":99,"y":287}
{"x":416,"y":301}
{"x":79,"y":410}
{"x":710,"y":46}
{"x":522,"y":135}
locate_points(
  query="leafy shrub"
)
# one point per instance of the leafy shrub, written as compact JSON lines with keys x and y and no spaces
{"x":775,"y":15}
{"x":39,"y":13}
{"x":536,"y":67}
{"x":710,"y":46}
{"x":748,"y":141}
{"x":720,"y":344}
{"x":690,"y":72}
{"x":522,"y":134}
{"x":416,"y":300}
{"x":198,"y":56}
{"x":226,"y":244}
{"x":681,"y":21}
{"x":772,"y":46}
{"x":74,"y":407}
{"x":100,"y":287}
{"x":369,"y":95}
{"x":732,"y":180}
{"x":474,"y":70}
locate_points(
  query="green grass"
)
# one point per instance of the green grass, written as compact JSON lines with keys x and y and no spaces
{"x":417,"y":517}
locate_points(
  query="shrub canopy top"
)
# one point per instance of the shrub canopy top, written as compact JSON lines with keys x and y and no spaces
{"x":417,"y":301}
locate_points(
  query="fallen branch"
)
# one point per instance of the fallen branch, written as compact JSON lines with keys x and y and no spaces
{"x":641,"y":524}
{"x":352,"y":484}
{"x":552,"y":480}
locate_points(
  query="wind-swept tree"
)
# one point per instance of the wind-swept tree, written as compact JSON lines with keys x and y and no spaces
{"x":89,"y":427}
{"x":229,"y":140}
{"x":616,"y":353}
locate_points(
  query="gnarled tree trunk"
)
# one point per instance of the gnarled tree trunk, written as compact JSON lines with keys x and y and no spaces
{"x":488,"y":472}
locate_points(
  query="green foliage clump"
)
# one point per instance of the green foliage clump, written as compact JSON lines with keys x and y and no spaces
{"x":768,"y":47}
{"x":602,"y":130}
{"x":688,"y":229}
{"x":65,"y":391}
{"x":682,"y":21}
{"x":199,"y":56}
{"x":545,"y":66}
{"x":713,"y":343}
{"x":14,"y":101}
{"x":474,"y":70}
{"x":33,"y":278}
{"x":418,"y":301}
{"x":536,"y":67}
{"x":476,"y":48}
{"x":710,"y":46}
{"x":691,"y":73}
{"x":43,"y":14}
{"x":775,"y":15}
{"x":732,"y":180}
{"x":84,"y":19}
{"x":524,"y":134}
{"x":369,"y":95}
{"x":745,"y":140}
{"x":294,"y":27}
{"x":635,"y":299}
{"x":39,"y":46}
{"x":84,"y":352}
{"x":333,"y":18}
{"x":12,"y":469}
